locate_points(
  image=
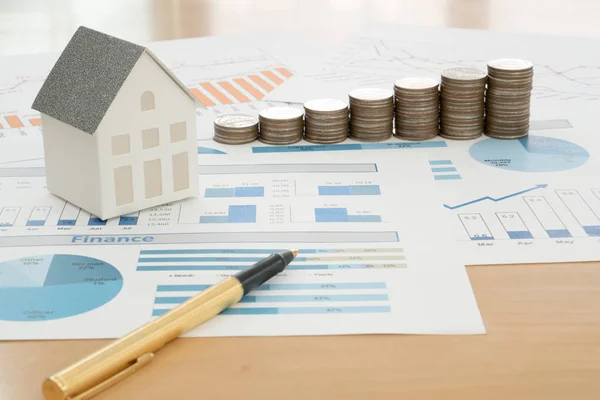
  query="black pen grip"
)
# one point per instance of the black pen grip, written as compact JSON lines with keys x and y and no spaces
{"x":262,"y":271}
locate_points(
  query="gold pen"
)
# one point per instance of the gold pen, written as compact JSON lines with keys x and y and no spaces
{"x":124,"y":356}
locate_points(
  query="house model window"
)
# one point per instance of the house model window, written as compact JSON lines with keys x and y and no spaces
{"x":131,"y":125}
{"x":147,"y":101}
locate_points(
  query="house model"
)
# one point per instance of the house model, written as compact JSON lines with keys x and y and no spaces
{"x":119,"y":128}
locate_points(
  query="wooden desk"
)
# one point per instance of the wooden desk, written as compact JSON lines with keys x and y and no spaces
{"x":543,"y":321}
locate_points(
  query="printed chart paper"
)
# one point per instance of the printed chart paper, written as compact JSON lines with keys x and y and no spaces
{"x":365,"y":264}
{"x":517,"y":201}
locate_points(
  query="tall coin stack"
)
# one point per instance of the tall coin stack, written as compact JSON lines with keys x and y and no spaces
{"x":371,"y":114}
{"x":326,"y":121}
{"x":417,"y":108}
{"x":281,"y":125}
{"x":462,"y":103}
{"x":236,"y":129}
{"x":508,"y":98}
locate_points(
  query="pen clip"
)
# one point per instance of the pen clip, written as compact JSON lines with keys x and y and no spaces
{"x":141,"y":361}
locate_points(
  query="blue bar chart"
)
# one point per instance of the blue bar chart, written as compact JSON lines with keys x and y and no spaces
{"x":475,"y":226}
{"x":338,"y":214}
{"x":237,"y":214}
{"x":514,"y":225}
{"x":69,"y":215}
{"x":38,"y":216}
{"x":547,"y":217}
{"x":282,"y":298}
{"x":580,"y":209}
{"x":9,"y":215}
{"x":240,"y":191}
{"x":238,"y":259}
{"x":129,"y":219}
{"x":349,"y":190}
{"x":95,"y":221}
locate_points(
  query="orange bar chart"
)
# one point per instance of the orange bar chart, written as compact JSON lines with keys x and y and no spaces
{"x":272,"y":77}
{"x":261,"y":82}
{"x":14,"y":121}
{"x":35,"y":121}
{"x":206,"y":102}
{"x":247,"y":86}
{"x":239,"y":96}
{"x":216,"y":93}
{"x":284,"y":72}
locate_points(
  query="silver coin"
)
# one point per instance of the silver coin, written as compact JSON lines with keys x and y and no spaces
{"x":416,"y":83}
{"x":464,"y":74}
{"x":510,"y":64}
{"x":236,"y":121}
{"x":281,"y":113}
{"x":371,"y":94}
{"x":325,"y":105}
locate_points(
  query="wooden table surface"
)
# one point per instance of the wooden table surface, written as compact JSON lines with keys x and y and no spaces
{"x":543,"y":321}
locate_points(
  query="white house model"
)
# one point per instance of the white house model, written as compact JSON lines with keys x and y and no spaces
{"x":119,"y":128}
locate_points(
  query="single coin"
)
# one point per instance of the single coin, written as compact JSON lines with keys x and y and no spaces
{"x":325,"y":105}
{"x":417,"y":83}
{"x":236,"y":121}
{"x":510,"y":64}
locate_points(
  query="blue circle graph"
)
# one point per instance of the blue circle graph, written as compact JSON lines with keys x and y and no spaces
{"x":530,"y":154}
{"x":47,"y":287}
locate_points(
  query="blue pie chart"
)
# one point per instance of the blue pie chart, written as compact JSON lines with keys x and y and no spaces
{"x":46,"y":287}
{"x":530,"y":154}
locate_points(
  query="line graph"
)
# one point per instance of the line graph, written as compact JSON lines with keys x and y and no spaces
{"x":495,"y":199}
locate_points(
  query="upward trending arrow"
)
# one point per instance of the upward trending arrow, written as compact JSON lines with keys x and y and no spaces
{"x":508,"y":196}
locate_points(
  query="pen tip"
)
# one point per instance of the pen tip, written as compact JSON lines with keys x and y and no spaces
{"x":294,"y":252}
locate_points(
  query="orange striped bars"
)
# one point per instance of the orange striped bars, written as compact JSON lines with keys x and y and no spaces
{"x":274,"y":78}
{"x":249,"y":88}
{"x":216,"y":93}
{"x":261,"y":82}
{"x":35,"y":121}
{"x":14,"y":121}
{"x":206,"y":102}
{"x":229,"y":88}
{"x":284,"y":72}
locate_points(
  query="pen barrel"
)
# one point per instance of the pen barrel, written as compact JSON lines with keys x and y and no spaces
{"x":120,"y":354}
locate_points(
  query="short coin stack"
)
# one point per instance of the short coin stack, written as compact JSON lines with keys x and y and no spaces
{"x":281,"y":125}
{"x":236,"y":129}
{"x":462,"y":103}
{"x":508,"y":98}
{"x":371,"y":114}
{"x":417,"y":108}
{"x":326,"y":121}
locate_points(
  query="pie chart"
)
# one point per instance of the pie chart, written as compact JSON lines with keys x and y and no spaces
{"x":530,"y":154}
{"x":46,"y":287}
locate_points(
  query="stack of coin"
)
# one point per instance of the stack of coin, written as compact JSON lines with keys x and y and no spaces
{"x":326,"y":121}
{"x":281,"y":125}
{"x":462,"y":103}
{"x":236,"y":129}
{"x":417,"y":108}
{"x":371,"y":114}
{"x":508,"y":98}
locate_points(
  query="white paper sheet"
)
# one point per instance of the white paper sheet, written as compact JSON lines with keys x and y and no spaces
{"x":489,"y":185}
{"x":372,"y":259}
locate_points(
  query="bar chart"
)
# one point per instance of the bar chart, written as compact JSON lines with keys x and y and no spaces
{"x":289,"y":298}
{"x":265,"y":187}
{"x":475,"y":226}
{"x":558,"y":214}
{"x":581,"y":210}
{"x":17,"y":121}
{"x":233,"y":260}
{"x":236,"y":214}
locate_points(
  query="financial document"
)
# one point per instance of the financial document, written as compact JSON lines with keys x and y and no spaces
{"x":529,"y":200}
{"x":365,"y":262}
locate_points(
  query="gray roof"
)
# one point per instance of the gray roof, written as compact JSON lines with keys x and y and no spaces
{"x":87,"y":77}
